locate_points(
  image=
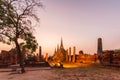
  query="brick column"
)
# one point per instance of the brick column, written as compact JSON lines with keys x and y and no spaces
{"x":69,"y":54}
{"x":74,"y":51}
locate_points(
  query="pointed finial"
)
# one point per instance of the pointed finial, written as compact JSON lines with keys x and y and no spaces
{"x":55,"y":50}
{"x":61,"y":45}
{"x":57,"y":47}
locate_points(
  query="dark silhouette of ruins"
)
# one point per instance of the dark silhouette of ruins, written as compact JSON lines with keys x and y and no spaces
{"x":99,"y":49}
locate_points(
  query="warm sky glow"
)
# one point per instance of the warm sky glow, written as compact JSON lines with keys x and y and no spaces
{"x":79,"y":23}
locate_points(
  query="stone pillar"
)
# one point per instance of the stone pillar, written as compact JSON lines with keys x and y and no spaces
{"x":46,"y":57}
{"x":37,"y":57}
{"x":40,"y":51}
{"x":99,"y":49}
{"x":74,"y":51}
{"x":69,"y":54}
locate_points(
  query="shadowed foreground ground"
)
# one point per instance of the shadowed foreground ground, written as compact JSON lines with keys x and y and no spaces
{"x":85,"y":73}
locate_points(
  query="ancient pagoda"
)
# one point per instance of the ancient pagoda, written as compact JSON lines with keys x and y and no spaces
{"x":60,"y":53}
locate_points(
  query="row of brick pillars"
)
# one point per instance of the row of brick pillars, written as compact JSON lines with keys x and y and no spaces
{"x":68,"y":55}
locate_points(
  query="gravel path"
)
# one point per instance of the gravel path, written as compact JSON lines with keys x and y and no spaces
{"x":85,"y":73}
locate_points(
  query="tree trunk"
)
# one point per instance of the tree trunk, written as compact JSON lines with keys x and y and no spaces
{"x":20,"y":56}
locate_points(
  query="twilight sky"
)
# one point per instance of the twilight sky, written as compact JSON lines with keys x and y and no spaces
{"x":79,"y":23}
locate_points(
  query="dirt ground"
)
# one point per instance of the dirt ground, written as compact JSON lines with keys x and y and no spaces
{"x":83,"y":73}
